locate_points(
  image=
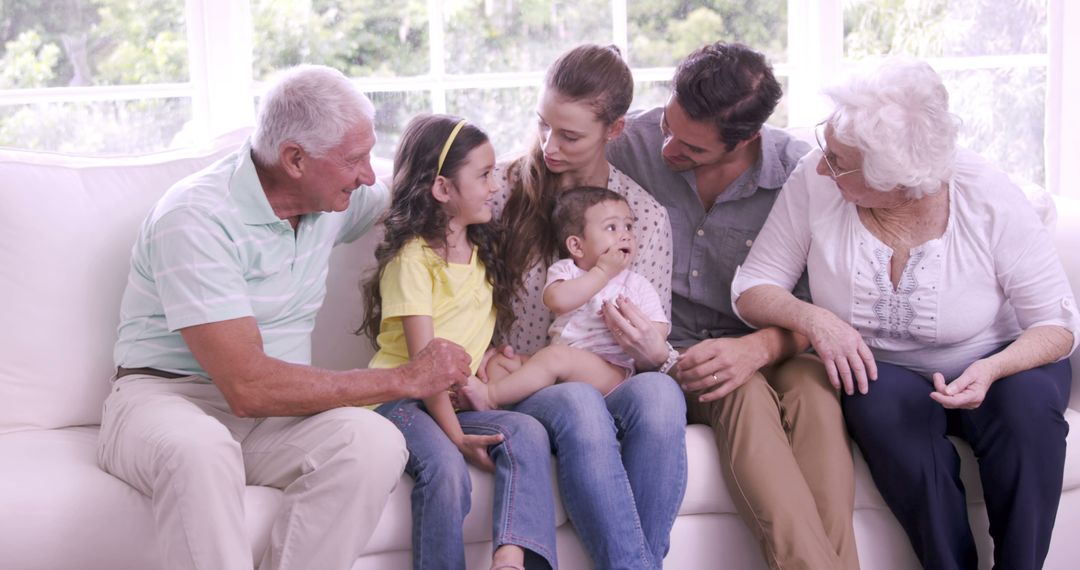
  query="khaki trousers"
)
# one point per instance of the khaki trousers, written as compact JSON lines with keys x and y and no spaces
{"x":787,"y":463}
{"x":176,"y":441}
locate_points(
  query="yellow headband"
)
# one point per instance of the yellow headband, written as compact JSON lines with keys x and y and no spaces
{"x":446,"y":147}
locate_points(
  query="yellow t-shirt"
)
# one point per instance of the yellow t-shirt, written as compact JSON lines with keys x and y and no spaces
{"x":457,"y":296}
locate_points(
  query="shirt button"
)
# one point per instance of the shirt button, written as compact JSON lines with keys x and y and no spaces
{"x":749,"y":242}
{"x":694,"y":273}
{"x":704,"y":332}
{"x":700,"y":232}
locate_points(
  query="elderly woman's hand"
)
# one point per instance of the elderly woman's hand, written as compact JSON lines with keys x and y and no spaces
{"x":848,"y":361}
{"x":635,"y":333}
{"x":968,"y":390}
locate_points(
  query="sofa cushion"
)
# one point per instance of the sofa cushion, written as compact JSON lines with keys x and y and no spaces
{"x":62,"y":511}
{"x":66,"y":228}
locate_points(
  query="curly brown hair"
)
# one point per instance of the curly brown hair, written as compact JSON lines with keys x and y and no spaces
{"x":414,"y":212}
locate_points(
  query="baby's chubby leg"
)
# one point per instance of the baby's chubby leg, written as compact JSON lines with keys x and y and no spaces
{"x":555,"y":363}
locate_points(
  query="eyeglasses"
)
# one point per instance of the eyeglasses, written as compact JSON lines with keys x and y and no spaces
{"x":819,"y":133}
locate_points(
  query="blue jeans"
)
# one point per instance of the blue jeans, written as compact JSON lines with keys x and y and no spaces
{"x":524,"y":505}
{"x":622,"y":499}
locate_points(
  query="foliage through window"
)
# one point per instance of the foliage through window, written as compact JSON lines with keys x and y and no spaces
{"x":112,"y":76}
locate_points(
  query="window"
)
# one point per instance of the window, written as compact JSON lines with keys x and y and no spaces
{"x":114,"y":76}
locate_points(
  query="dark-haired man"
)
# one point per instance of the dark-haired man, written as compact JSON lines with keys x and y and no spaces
{"x":711,"y":160}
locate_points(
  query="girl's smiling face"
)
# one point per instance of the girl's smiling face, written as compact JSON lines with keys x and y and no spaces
{"x":470,"y":190}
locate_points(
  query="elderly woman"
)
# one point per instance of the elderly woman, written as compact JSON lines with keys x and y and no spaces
{"x":930,"y":273}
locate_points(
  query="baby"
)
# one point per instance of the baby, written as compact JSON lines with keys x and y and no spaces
{"x":595,"y":226}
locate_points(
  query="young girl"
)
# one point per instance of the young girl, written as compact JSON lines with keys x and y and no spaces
{"x":440,"y":274}
{"x":596,"y":228}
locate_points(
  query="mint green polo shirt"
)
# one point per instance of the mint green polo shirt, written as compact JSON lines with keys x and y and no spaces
{"x":212,"y":250}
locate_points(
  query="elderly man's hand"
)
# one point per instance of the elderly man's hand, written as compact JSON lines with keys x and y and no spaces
{"x":441,"y":365}
{"x":848,"y":361}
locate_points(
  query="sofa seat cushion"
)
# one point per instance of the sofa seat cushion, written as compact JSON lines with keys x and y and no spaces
{"x":707,"y":493}
{"x":62,"y":511}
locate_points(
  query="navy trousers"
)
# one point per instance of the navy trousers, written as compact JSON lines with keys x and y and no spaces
{"x":1017,"y":434}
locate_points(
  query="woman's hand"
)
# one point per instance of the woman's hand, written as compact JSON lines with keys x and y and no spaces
{"x":848,"y":361}
{"x":475,"y":449}
{"x":504,"y":350}
{"x":968,"y":390}
{"x":635,"y":333}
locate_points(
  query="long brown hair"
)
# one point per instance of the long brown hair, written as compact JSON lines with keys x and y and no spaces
{"x":591,"y":73}
{"x":415,"y":212}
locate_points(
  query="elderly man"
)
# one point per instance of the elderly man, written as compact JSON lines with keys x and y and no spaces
{"x":214,"y":388}
{"x":711,"y":160}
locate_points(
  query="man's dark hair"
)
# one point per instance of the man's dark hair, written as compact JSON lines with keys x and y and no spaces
{"x":729,"y":84}
{"x":570,"y":207}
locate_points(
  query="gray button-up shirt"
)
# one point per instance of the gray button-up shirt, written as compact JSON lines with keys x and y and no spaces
{"x":708,"y":246}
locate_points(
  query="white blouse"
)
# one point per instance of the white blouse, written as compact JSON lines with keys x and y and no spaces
{"x":529,"y":332}
{"x":993,"y":274}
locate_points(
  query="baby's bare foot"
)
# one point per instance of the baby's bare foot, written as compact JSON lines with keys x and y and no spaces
{"x":474,"y":396}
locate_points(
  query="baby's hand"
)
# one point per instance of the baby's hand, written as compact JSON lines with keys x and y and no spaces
{"x":613,"y":261}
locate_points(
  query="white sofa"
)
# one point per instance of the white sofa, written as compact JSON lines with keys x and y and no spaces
{"x":66,"y":229}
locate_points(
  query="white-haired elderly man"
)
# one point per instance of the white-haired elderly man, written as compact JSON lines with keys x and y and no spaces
{"x":214,"y":386}
{"x":930,"y":272}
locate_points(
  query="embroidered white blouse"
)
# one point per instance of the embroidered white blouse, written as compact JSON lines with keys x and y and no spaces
{"x":991,"y":275}
{"x":653,"y":261}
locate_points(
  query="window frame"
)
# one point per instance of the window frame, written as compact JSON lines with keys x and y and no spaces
{"x":222,"y":88}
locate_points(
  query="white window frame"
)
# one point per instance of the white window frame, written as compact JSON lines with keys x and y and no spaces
{"x":222,"y":87}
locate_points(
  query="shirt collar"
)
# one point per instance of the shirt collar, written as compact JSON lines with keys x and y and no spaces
{"x":247,"y":192}
{"x":767,"y":172}
{"x":772,"y":174}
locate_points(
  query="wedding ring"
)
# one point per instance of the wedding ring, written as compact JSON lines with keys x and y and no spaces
{"x":714,"y":378}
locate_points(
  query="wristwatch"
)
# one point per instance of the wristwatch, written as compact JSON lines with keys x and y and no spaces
{"x":672,"y":358}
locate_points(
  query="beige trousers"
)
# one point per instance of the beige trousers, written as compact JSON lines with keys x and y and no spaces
{"x":177,"y":442}
{"x":788,"y":465}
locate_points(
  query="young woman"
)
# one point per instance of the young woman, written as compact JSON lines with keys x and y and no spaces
{"x":621,"y":458}
{"x":440,"y":274}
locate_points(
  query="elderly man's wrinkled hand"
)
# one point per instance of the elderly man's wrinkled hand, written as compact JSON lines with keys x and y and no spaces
{"x":440,"y":366}
{"x":969,"y":389}
{"x":848,"y":361}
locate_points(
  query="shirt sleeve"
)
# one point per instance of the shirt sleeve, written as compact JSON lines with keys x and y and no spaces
{"x":366,"y":207}
{"x":561,"y":270}
{"x":1028,"y":267}
{"x":407,"y":286}
{"x":197,"y":271}
{"x":778,"y":256}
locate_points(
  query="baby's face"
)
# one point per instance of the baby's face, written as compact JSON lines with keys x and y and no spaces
{"x":608,"y":225}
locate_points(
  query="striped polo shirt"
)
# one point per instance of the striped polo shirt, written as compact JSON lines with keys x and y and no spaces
{"x":212,"y":250}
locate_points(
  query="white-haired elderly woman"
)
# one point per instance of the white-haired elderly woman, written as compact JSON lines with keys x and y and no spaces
{"x":930,"y":273}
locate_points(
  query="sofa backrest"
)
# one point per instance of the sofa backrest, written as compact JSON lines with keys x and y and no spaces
{"x":67,"y":225}
{"x":1067,"y":242}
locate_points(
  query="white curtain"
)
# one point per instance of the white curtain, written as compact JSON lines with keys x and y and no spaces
{"x":1063,"y":100}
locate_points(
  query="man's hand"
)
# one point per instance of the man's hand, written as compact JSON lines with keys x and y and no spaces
{"x":475,"y":449}
{"x":848,"y":361}
{"x":968,"y":390}
{"x":714,"y":368}
{"x":440,"y":366}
